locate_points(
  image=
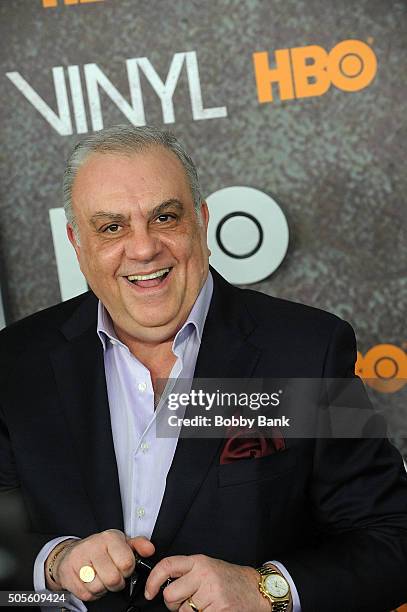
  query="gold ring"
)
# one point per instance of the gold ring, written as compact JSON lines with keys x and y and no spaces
{"x":87,"y":573}
{"x":192,"y":605}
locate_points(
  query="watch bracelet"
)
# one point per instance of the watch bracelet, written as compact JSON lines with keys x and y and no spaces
{"x":276,"y":606}
{"x":266,"y":569}
{"x":279,"y":606}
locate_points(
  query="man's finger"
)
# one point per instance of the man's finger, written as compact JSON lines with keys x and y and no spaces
{"x":83,"y":591}
{"x":108,"y":572}
{"x":169,"y":567}
{"x":186,"y":607}
{"x":181,"y":589}
{"x":142,"y":546}
{"x":122,"y":556}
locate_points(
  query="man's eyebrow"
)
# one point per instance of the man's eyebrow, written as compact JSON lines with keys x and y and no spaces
{"x":171,"y":203}
{"x":102,"y":215}
{"x":107,"y":216}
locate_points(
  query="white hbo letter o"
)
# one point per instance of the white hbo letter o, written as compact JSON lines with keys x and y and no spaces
{"x":247,"y":234}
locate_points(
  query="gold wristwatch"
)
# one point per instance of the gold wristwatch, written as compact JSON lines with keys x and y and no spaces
{"x":274,"y":587}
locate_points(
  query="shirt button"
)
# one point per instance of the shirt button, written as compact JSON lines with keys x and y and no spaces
{"x":142,"y":386}
{"x":114,"y":342}
{"x":140,"y":512}
{"x":144,"y":447}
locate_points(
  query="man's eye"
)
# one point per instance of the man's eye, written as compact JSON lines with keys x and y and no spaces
{"x":112,"y":229}
{"x":165,"y":218}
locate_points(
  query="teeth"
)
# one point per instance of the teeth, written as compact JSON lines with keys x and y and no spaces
{"x":141,"y":277}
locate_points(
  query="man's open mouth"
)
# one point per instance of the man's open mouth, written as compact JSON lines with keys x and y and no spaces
{"x":149,"y":280}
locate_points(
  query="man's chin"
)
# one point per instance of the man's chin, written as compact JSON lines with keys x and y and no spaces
{"x":152,"y":328}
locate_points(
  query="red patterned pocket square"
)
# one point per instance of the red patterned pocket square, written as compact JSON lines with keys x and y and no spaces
{"x":239,"y":446}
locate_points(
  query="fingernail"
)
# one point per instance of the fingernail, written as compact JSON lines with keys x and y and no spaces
{"x":147,"y":595}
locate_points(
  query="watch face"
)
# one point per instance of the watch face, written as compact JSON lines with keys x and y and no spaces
{"x":276,"y":585}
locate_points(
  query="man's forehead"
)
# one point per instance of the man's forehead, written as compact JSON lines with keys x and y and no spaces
{"x":160,"y":159}
{"x":155,"y":173}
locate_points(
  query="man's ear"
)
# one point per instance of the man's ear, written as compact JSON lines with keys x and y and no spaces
{"x":204,"y":214}
{"x":204,"y":222}
{"x":72,"y":238}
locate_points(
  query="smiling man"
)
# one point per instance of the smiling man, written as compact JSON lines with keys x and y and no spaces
{"x":303,"y":525}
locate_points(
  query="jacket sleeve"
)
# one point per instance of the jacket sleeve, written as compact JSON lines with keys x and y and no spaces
{"x":358,"y":497}
{"x":16,"y":535}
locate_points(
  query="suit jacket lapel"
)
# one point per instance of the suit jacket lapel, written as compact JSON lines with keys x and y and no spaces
{"x":225,"y":353}
{"x":79,"y":371}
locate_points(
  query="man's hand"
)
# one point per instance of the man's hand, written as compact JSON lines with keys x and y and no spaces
{"x":110,"y":554}
{"x":212,"y":585}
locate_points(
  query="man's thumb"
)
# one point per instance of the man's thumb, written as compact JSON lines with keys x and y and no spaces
{"x":141,"y":545}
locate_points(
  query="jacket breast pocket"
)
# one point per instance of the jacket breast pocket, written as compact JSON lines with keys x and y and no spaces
{"x":265,"y":468}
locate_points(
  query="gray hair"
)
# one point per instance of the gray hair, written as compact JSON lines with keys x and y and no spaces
{"x":126,"y":140}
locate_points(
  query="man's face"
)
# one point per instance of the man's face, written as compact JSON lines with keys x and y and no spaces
{"x":136,"y":218}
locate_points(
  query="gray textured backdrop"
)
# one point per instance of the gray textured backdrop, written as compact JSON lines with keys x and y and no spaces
{"x":335,"y":163}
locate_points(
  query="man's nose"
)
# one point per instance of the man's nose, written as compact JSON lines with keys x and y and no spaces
{"x":142,"y":244}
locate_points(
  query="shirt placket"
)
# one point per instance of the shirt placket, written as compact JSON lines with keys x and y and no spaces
{"x":144,"y":416}
{"x":147,"y":451}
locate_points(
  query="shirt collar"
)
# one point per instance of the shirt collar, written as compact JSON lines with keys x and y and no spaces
{"x":195,"y":321}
